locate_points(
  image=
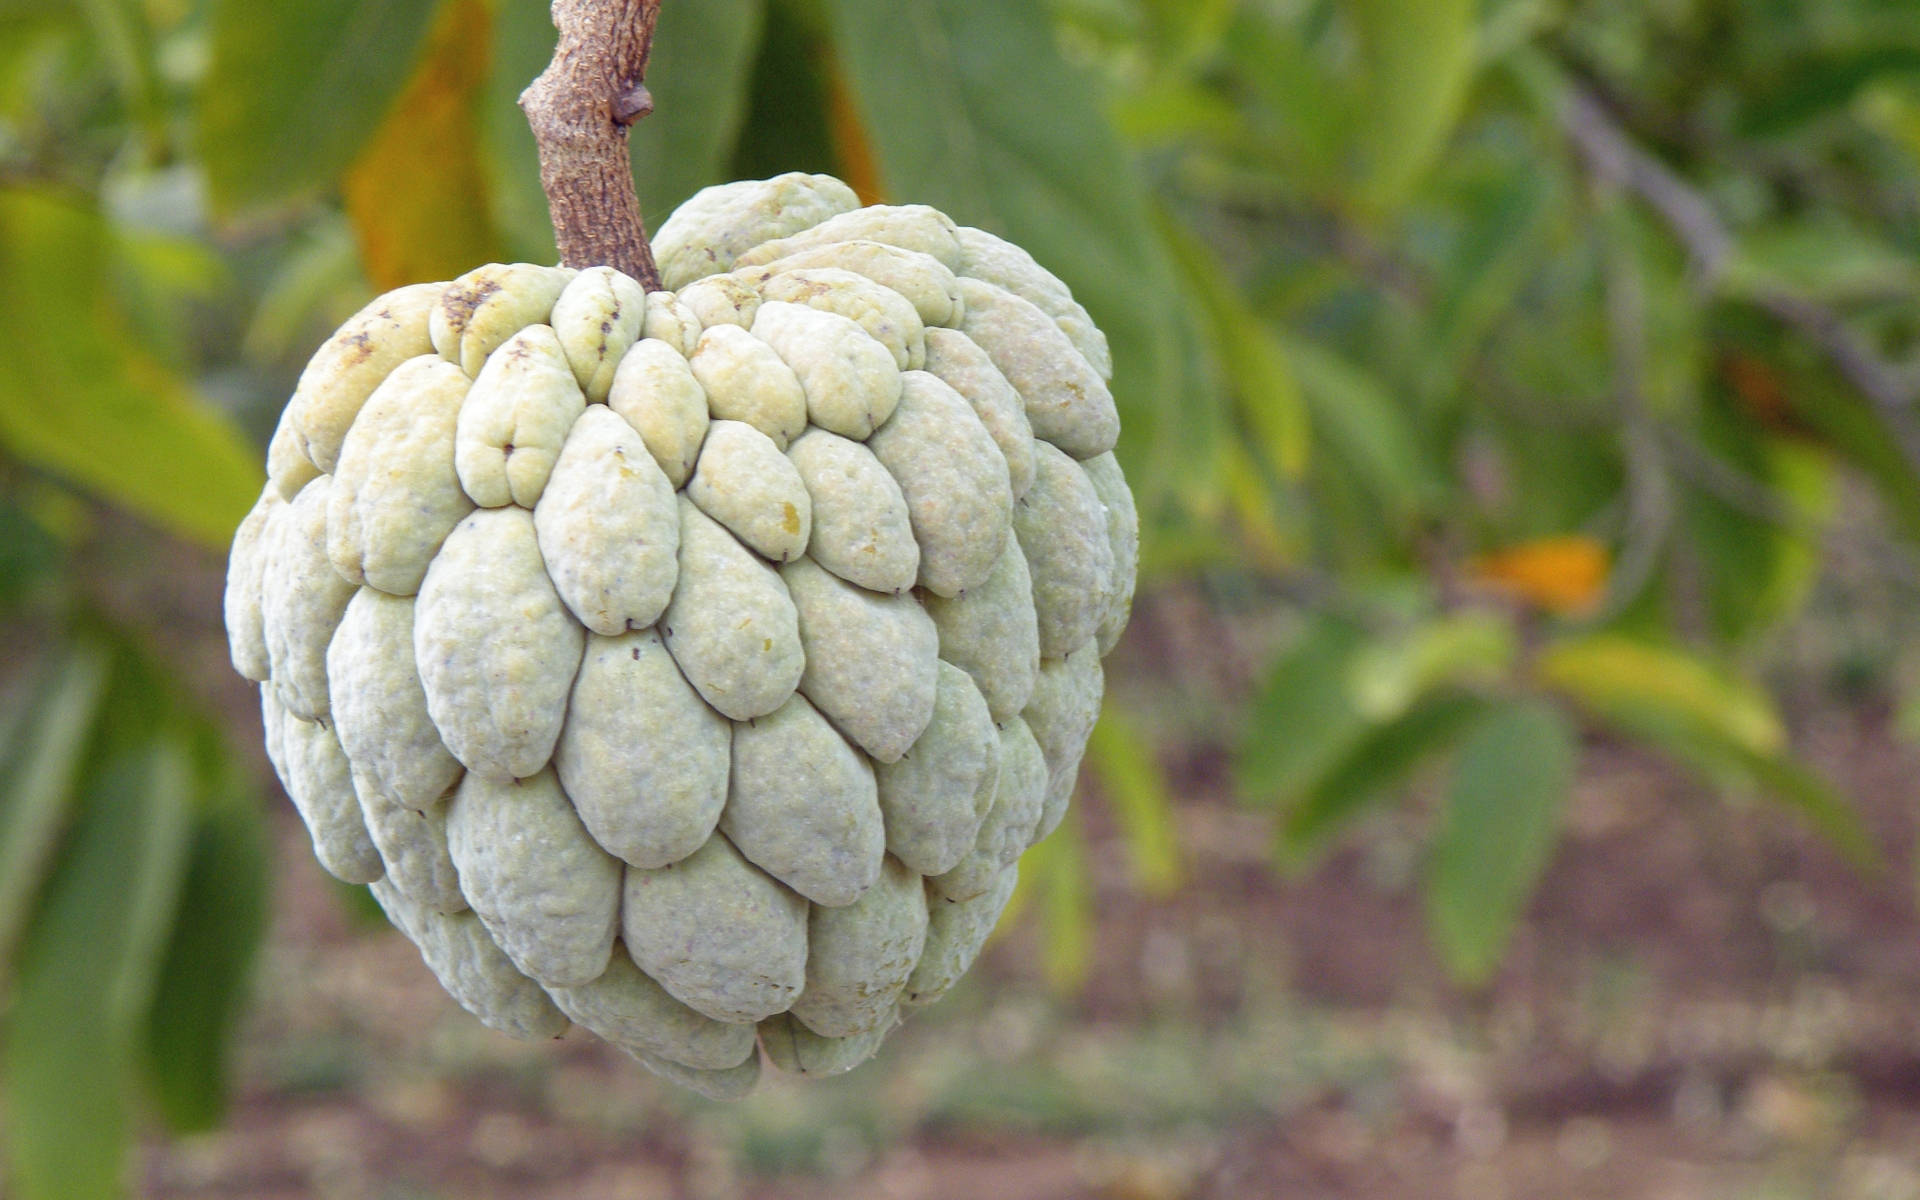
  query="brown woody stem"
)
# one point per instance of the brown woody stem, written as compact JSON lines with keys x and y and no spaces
{"x":580,"y":109}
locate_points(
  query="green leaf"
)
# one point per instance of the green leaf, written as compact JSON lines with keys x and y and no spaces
{"x":789,"y":120}
{"x":1501,"y":823}
{"x":1820,"y":83}
{"x":1824,"y":259}
{"x":1420,"y":59}
{"x":971,"y":109}
{"x":1266,"y":394}
{"x":698,"y":72}
{"x":1756,"y":572}
{"x":1623,"y":679}
{"x":1357,"y":421}
{"x":523,"y":41}
{"x":42,"y":758}
{"x":1717,"y":723}
{"x":1122,"y":756}
{"x":1053,"y":874}
{"x":86,"y":977}
{"x":1462,"y":647}
{"x":1305,"y":717}
{"x":79,"y":397}
{"x":1367,"y":772}
{"x":204,"y":976}
{"x":296,"y":87}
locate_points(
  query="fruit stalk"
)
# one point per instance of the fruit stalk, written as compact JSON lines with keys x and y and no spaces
{"x":579,"y":109}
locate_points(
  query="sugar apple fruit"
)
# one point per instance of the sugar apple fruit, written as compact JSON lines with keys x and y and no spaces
{"x":696,"y":666}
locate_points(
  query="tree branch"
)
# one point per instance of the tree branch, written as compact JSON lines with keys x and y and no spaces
{"x":579,"y":110}
{"x":1613,"y":157}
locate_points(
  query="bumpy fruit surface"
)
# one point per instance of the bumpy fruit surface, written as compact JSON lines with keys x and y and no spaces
{"x":695,"y":667}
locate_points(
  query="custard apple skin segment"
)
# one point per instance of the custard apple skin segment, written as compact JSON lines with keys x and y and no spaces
{"x":870,"y":659}
{"x":496,"y":648}
{"x":478,"y":312}
{"x":731,"y":626}
{"x":797,"y":1050}
{"x":516,"y":419}
{"x":802,"y":805}
{"x":992,"y":633}
{"x":598,"y":318}
{"x":473,"y":968}
{"x":608,"y":526}
{"x":319,"y":781}
{"x":643,"y":758}
{"x":954,"y":478}
{"x":850,"y":381}
{"x":1067,"y":402}
{"x":1019,"y":799}
{"x":629,"y":1009}
{"x":241,"y":606}
{"x":922,"y":280}
{"x":545,"y":890}
{"x":696,"y":666}
{"x":413,"y":847}
{"x":733,"y":1083}
{"x":718,"y":224}
{"x":956,"y":931}
{"x":744,"y":482}
{"x":351,"y":364}
{"x":881,"y":313}
{"x":861,"y":954}
{"x":301,"y":601}
{"x":379,"y":708}
{"x":720,"y":935}
{"x":956,"y":361}
{"x":1062,"y":528}
{"x":745,"y":380}
{"x":860,"y":531}
{"x":654,"y":389}
{"x":673,"y":322}
{"x":395,"y":493}
{"x":934,"y":797}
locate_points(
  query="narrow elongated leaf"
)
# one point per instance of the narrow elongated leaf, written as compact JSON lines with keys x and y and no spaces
{"x":1356,"y":420}
{"x":79,"y":397}
{"x":1821,"y":83}
{"x":1501,"y":823}
{"x":296,"y":87}
{"x":972,"y":110}
{"x":417,"y":192}
{"x":1420,"y":59}
{"x":1464,"y":647}
{"x":202,"y":988}
{"x":1718,"y":724}
{"x":1621,"y":678}
{"x":42,"y":759}
{"x":1265,"y":393}
{"x":1121,"y":755}
{"x":1368,"y":772}
{"x":1305,"y":716}
{"x":1053,"y":875}
{"x":702,"y":59}
{"x":86,"y":976}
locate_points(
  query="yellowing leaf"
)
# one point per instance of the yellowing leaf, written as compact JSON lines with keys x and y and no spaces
{"x":1564,"y":575}
{"x":1638,"y":683}
{"x":81,"y":396}
{"x":852,"y":146}
{"x":417,"y":194}
{"x":1121,"y":756}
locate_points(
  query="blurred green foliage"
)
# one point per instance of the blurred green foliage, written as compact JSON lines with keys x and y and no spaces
{"x":1536,"y":354}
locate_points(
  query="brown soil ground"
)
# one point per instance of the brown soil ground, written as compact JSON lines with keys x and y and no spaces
{"x":1703,"y":1002}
